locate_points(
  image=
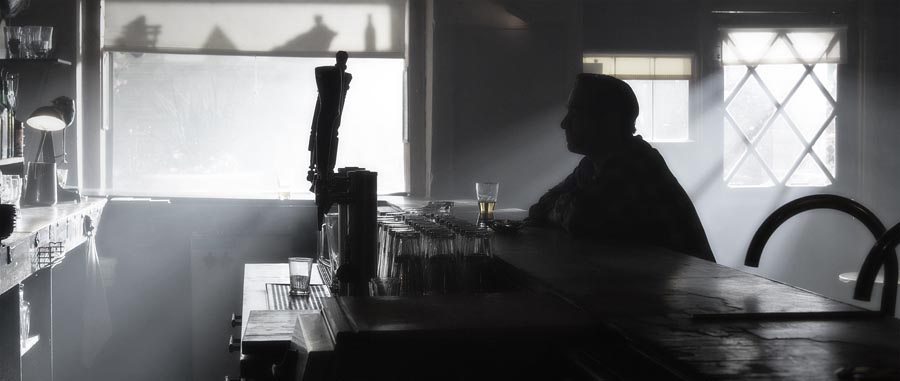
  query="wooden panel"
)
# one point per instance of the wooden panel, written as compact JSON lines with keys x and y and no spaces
{"x":10,"y":369}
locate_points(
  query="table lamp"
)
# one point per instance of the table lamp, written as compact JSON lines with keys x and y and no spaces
{"x":40,"y":179}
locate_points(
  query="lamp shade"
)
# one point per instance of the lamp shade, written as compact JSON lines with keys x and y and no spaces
{"x":46,"y":118}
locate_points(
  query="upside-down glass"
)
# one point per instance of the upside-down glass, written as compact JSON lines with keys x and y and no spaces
{"x":300,"y":270}
{"x":477,"y":260}
{"x":384,"y":287}
{"x":441,"y":275}
{"x":408,"y":264}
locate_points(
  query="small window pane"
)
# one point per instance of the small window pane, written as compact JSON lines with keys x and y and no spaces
{"x":670,"y":110}
{"x":643,"y":90}
{"x":780,"y":79}
{"x":662,"y":87}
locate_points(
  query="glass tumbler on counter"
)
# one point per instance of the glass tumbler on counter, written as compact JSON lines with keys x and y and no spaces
{"x":487,"y":198}
{"x":409,"y":268}
{"x":477,"y":260}
{"x":300,"y":270}
{"x":440,"y":264}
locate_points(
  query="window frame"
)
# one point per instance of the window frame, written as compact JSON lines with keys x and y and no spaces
{"x":694,"y":109}
{"x":769,"y":14}
{"x":94,"y":65}
{"x":751,"y":143}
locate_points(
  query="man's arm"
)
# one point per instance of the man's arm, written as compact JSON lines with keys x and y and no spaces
{"x":542,"y":213}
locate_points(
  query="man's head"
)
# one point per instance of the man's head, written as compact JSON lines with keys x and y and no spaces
{"x":602,"y":111}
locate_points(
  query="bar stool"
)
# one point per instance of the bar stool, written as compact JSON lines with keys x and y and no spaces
{"x":882,"y":253}
{"x":873,"y":259}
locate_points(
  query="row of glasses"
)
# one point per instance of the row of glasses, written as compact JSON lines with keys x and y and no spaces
{"x":10,"y":189}
{"x":431,"y":252}
{"x":30,"y":41}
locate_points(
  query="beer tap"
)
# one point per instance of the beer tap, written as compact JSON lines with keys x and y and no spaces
{"x":352,"y":189}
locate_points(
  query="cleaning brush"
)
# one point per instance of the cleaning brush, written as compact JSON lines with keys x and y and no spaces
{"x":7,"y":220}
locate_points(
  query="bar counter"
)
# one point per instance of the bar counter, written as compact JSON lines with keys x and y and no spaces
{"x":648,"y":297}
{"x":646,"y":303}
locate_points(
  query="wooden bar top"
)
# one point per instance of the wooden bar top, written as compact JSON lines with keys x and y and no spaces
{"x":649,"y":296}
{"x":644,"y":300}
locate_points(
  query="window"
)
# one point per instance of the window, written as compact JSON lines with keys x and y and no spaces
{"x":662,"y":87}
{"x":780,"y":89}
{"x":214,"y":107}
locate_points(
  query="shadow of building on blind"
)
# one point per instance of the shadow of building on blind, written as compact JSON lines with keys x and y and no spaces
{"x":316,"y":39}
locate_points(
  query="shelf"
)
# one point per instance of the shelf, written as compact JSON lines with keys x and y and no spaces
{"x":44,"y":61}
{"x":11,"y":160}
{"x":29,"y":343}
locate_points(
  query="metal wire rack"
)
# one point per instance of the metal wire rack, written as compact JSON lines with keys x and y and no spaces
{"x":47,"y":255}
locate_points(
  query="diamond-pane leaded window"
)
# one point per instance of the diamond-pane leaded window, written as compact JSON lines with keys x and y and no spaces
{"x":780,"y":106}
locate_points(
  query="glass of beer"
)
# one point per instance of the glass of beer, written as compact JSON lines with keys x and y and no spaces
{"x":487,"y":198}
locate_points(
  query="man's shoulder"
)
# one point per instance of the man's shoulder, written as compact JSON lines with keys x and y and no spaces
{"x":638,"y":156}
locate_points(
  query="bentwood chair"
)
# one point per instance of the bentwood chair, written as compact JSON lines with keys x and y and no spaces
{"x":873,"y":261}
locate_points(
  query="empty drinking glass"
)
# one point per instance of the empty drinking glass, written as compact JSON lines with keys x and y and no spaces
{"x":384,"y":287}
{"x":44,"y":43}
{"x":477,"y":258}
{"x":440,"y":265}
{"x":14,"y":41}
{"x":31,"y":41}
{"x":408,"y":267}
{"x":300,"y":270}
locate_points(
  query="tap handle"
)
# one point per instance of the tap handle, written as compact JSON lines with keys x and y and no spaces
{"x":234,"y":345}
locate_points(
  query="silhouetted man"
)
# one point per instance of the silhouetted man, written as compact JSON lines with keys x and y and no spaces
{"x":622,"y":190}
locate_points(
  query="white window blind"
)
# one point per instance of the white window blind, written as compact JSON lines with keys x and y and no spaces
{"x":216,"y":98}
{"x":255,"y":27}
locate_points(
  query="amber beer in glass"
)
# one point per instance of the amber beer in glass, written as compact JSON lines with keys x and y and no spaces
{"x":486,"y":207}
{"x":486,"y":194}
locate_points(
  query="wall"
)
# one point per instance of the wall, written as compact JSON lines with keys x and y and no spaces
{"x":173,"y":273}
{"x":502,"y":72}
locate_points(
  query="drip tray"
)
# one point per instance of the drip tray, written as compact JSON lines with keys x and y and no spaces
{"x":278,"y":297}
